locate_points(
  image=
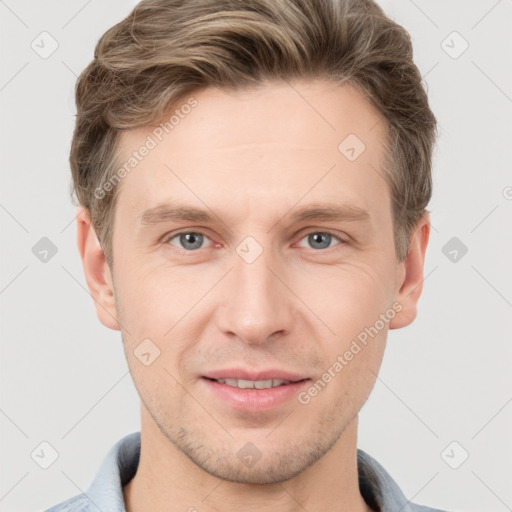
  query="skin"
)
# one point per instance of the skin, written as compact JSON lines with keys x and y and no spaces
{"x":297,"y":307}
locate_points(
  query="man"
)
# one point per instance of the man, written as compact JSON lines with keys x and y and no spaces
{"x":253,"y":179}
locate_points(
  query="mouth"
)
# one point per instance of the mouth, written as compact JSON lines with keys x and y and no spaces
{"x":257,"y":396}
{"x":255,"y":384}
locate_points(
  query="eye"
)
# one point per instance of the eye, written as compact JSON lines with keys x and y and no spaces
{"x":321,"y":239}
{"x":188,"y":240}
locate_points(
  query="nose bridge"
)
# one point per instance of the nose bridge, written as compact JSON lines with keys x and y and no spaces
{"x":257,"y":304}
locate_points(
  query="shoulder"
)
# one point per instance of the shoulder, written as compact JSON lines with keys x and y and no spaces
{"x":79,"y":503}
{"x":105,"y":491}
{"x":380,"y":490}
{"x":422,"y":508}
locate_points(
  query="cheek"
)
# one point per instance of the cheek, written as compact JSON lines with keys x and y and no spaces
{"x":347,"y":297}
{"x":159,"y":313}
{"x":347,"y":381}
{"x":153,"y":299}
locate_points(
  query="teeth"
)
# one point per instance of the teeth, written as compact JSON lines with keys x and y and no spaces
{"x":256,"y":384}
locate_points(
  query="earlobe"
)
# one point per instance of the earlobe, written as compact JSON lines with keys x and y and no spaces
{"x":410,"y":275}
{"x":96,"y":270}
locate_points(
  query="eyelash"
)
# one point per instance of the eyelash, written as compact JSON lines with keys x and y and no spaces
{"x":168,"y":239}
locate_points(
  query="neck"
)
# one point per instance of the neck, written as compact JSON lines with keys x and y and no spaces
{"x":167,"y":480}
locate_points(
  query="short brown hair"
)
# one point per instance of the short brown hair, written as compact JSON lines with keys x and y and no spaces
{"x":166,"y":49}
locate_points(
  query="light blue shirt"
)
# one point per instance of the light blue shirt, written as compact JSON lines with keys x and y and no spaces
{"x":119,"y":466}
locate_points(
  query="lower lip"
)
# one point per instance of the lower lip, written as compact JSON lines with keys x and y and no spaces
{"x":255,"y":400}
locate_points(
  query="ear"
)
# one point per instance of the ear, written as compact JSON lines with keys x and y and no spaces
{"x":97,"y":271}
{"x":409,"y":281}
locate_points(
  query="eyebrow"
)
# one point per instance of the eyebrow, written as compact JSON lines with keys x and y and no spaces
{"x":166,"y":213}
{"x":332,"y":212}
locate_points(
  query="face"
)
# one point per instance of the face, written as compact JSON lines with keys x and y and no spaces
{"x":248,"y":239}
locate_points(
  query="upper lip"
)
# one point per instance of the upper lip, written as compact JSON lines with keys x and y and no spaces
{"x":240,"y":373}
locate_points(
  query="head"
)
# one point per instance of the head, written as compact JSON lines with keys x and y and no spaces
{"x":255,"y":112}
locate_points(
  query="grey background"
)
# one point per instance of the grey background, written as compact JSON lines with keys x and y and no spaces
{"x":445,"y":378}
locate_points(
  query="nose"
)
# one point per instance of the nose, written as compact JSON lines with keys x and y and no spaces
{"x":257,"y":304}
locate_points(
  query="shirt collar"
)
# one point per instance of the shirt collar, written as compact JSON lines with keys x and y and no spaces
{"x":377,"y":487}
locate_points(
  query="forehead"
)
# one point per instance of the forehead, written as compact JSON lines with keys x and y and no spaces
{"x":273,"y":143}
